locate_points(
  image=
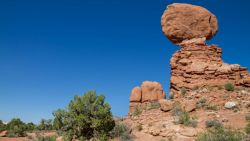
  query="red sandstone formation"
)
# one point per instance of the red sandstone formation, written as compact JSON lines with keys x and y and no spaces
{"x":148,"y":92}
{"x":198,"y":76}
{"x":184,"y":22}
{"x":201,"y":65}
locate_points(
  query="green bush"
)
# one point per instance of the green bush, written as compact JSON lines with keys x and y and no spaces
{"x":184,"y":119}
{"x":121,"y":131}
{"x":45,"y":124}
{"x":16,"y":128}
{"x":247,"y":128}
{"x":220,"y":134}
{"x":2,"y":126}
{"x":213,"y":123}
{"x":30,"y":126}
{"x":229,"y":87}
{"x":47,"y":138}
{"x":86,"y":117}
{"x":202,"y":102}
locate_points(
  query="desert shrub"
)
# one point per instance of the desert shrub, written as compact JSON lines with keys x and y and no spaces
{"x":202,"y":102}
{"x":213,"y":123}
{"x":185,"y":119}
{"x":176,"y":109}
{"x":154,"y":105}
{"x":2,"y":126}
{"x":122,"y":132}
{"x":229,"y":87}
{"x":220,"y":134}
{"x":139,"y":127}
{"x":220,"y":87}
{"x":212,"y":107}
{"x":45,"y":124}
{"x":183,"y":91}
{"x":30,"y":126}
{"x":86,"y":117}
{"x":194,"y":123}
{"x":195,"y":88}
{"x":16,"y":128}
{"x":247,"y":116}
{"x":46,"y":138}
{"x":137,"y":111}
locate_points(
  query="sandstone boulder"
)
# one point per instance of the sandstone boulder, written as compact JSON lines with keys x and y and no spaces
{"x":166,"y":105}
{"x":185,"y":21}
{"x":136,"y":95}
{"x":152,"y":91}
{"x":189,"y":105}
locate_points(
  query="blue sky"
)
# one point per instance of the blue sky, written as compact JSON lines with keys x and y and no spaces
{"x":51,"y":50}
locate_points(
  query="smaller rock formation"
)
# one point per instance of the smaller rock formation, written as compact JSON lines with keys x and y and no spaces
{"x":148,"y":92}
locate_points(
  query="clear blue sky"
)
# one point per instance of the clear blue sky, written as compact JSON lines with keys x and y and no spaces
{"x":51,"y":50}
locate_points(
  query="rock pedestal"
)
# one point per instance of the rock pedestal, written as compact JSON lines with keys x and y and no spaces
{"x":197,"y":65}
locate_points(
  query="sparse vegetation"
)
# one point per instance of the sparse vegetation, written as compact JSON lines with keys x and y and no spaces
{"x":229,"y":87}
{"x":2,"y":126}
{"x":46,"y":138}
{"x":247,"y":128}
{"x":202,"y":102}
{"x":139,"y":127}
{"x":195,"y":88}
{"x":220,"y":87}
{"x":247,"y":116}
{"x":212,"y":107}
{"x":176,"y":109}
{"x":220,"y":134}
{"x":154,"y":105}
{"x":214,"y":124}
{"x":185,"y":119}
{"x":137,"y":111}
{"x":183,"y":91}
{"x":171,"y":95}
{"x":86,"y":117}
{"x":122,"y":132}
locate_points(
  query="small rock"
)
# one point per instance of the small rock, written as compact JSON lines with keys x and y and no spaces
{"x":3,"y":133}
{"x":243,"y":92}
{"x":230,"y":105}
{"x":166,"y":105}
{"x":189,"y":132}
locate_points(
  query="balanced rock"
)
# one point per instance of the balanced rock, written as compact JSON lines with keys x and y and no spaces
{"x":185,"y":21}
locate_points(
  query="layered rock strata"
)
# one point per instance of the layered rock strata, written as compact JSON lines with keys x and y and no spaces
{"x":201,"y":65}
